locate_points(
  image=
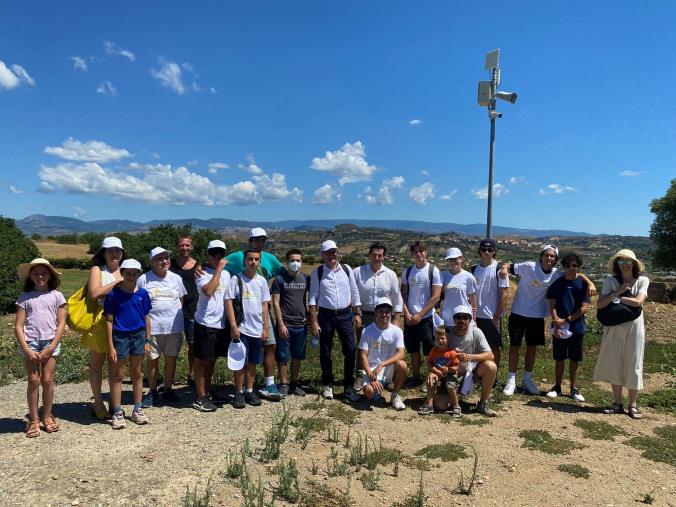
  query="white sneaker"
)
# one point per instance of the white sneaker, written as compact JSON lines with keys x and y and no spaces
{"x":510,"y":387}
{"x":575,"y":394}
{"x":396,"y":402}
{"x":359,"y":381}
{"x":118,"y":421}
{"x":351,"y":394}
{"x":328,"y":393}
{"x":554,"y":391}
{"x":529,"y":386}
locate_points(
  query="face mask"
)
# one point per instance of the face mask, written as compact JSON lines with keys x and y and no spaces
{"x":294,"y":266}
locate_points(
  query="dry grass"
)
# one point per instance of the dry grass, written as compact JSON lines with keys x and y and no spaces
{"x":53,"y":250}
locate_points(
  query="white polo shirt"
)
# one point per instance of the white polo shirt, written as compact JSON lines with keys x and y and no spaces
{"x":373,"y":286}
{"x":338,"y":290}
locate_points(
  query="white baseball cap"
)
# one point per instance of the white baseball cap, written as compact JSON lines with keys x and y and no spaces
{"x":111,"y":242}
{"x":216,"y":243}
{"x":236,"y":356}
{"x":453,"y":253}
{"x":257,"y":232}
{"x":131,"y":264}
{"x":462,"y":309}
{"x":157,"y":251}
{"x":384,"y":301}
{"x":329,"y":244}
{"x":549,"y":247}
{"x":436,"y":320}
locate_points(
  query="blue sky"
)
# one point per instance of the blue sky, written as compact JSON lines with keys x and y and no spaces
{"x":291,"y":110}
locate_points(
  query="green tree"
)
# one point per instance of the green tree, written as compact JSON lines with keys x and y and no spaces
{"x":663,"y":229}
{"x":15,"y":248}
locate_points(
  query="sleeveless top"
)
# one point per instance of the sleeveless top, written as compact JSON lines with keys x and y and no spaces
{"x":106,"y":278}
{"x":191,"y":298}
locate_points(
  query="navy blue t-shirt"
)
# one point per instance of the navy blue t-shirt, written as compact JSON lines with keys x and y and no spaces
{"x":569,"y":296}
{"x":128,"y":308}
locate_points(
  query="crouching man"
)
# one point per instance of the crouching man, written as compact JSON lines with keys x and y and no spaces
{"x":381,"y":353}
{"x":475,"y":355}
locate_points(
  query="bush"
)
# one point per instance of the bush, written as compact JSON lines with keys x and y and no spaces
{"x":15,"y":248}
{"x":67,"y":239}
{"x":36,"y":237}
{"x":70,"y":263}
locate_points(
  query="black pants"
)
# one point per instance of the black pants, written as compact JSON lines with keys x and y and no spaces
{"x":330,"y":321}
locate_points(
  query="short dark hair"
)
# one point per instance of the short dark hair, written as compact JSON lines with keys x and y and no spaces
{"x":99,"y":258}
{"x":293,"y":251}
{"x":569,"y":257}
{"x":420,"y":245}
{"x":251,"y":250}
{"x":378,"y":246}
{"x":52,"y":284}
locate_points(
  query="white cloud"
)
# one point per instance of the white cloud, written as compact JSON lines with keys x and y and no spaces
{"x":79,"y":63}
{"x":163,"y":184}
{"x":113,"y":49}
{"x":187,"y":66}
{"x":195,"y":87}
{"x":13,"y":77}
{"x":154,"y":154}
{"x":326,"y":194}
{"x":349,"y":162}
{"x":251,"y":167}
{"x":107,"y":88}
{"x":448,"y":196}
{"x":191,"y":163}
{"x":556,"y":189}
{"x":15,"y":190}
{"x":214,"y":167}
{"x":88,"y":151}
{"x":169,"y":76}
{"x":422,"y":193}
{"x":385,"y":192}
{"x":424,"y":173}
{"x":517,"y":180}
{"x":415,"y":122}
{"x":632,"y":173}
{"x":213,"y":90}
{"x":499,"y":190}
{"x":79,"y":212}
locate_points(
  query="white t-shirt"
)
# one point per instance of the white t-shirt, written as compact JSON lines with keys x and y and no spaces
{"x":419,"y":289}
{"x":610,"y":284}
{"x":255,"y":292}
{"x":166,"y":316}
{"x":210,"y":311}
{"x":530,"y":299}
{"x":381,"y":344}
{"x":456,"y":289}
{"x":489,"y":289}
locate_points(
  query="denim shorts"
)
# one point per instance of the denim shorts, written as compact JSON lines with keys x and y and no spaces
{"x":39,"y":346}
{"x":254,"y":349}
{"x":129,"y":343}
{"x":293,"y":345}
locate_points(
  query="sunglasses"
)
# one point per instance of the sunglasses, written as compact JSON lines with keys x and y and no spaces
{"x":489,"y":250}
{"x":462,"y":317}
{"x":620,"y":262}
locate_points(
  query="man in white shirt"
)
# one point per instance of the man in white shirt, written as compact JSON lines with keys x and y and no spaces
{"x":381,"y":350}
{"x":375,"y":281}
{"x":333,"y":298}
{"x":491,"y":296}
{"x":420,"y":290}
{"x":458,"y":286}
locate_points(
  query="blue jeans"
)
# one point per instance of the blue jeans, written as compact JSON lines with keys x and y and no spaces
{"x":129,"y":343}
{"x":330,"y":321}
{"x":293,"y":345}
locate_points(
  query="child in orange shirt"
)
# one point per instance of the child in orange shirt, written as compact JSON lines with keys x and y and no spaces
{"x":443,"y":365}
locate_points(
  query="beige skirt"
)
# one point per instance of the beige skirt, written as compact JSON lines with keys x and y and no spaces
{"x":620,"y":360}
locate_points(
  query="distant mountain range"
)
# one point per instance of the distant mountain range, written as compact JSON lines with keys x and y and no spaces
{"x":57,"y":225}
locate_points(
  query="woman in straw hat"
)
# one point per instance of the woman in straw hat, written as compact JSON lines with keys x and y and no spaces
{"x":104,"y":276}
{"x":620,"y":360}
{"x":40,"y":321}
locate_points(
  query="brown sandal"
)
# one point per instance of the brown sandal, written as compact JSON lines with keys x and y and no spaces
{"x":50,"y":424}
{"x":33,"y":429}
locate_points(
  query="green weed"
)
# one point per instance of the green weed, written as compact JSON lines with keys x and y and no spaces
{"x":577,"y":471}
{"x":320,"y":495}
{"x":235,"y":462}
{"x":334,"y":465}
{"x":288,"y":488}
{"x":275,"y":437}
{"x":539,"y":440}
{"x":365,"y":452}
{"x":371,"y":480}
{"x":417,"y":499}
{"x":660,"y":448}
{"x":598,"y":430}
{"x":333,"y":434}
{"x":444,"y":452}
{"x":193,"y":499}
{"x":466,"y":489}
{"x":663,"y":399}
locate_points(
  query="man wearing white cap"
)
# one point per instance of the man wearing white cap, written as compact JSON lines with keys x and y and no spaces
{"x":458,"y":286}
{"x":268,"y":268}
{"x":476,"y":359}
{"x":166,"y":291}
{"x":334,"y":297}
{"x":381,"y":353}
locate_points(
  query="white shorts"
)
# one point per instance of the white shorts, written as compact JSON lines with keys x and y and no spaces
{"x":167,"y":344}
{"x":385,"y":376}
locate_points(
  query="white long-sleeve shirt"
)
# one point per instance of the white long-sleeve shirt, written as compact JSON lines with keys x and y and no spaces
{"x":337,"y":291}
{"x":373,"y":286}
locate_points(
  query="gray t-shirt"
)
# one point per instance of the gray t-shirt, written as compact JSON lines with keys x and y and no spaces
{"x":292,"y":292}
{"x":474,"y":342}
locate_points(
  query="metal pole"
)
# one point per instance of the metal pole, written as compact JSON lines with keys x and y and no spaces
{"x":489,"y":218}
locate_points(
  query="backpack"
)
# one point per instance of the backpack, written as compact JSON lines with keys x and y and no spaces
{"x":237,"y":302}
{"x":497,"y":269}
{"x":320,"y":273}
{"x":430,"y":273}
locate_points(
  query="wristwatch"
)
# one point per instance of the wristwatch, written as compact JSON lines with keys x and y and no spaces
{"x":615,"y":299}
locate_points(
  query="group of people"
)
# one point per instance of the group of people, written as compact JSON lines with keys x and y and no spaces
{"x":249,"y":308}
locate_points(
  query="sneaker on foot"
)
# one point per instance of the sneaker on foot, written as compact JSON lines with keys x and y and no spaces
{"x":252,"y":398}
{"x":150,"y":399}
{"x":554,"y":391}
{"x":118,"y":421}
{"x":283,"y":390}
{"x":576,"y":395}
{"x":426,"y":410}
{"x":239,"y":401}
{"x":396,"y":402}
{"x":351,"y":394}
{"x":270,"y":393}
{"x":529,"y":386}
{"x":203,"y":404}
{"x":510,"y":387}
{"x":359,"y":381}
{"x":169,"y":397}
{"x":328,"y":393}
{"x":296,"y":390}
{"x":483,"y":408}
{"x":139,"y":417}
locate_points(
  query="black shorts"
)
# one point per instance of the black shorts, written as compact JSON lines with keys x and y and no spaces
{"x":210,"y":343}
{"x":532,"y":327}
{"x":493,"y":336}
{"x":423,"y":334}
{"x":568,"y":348}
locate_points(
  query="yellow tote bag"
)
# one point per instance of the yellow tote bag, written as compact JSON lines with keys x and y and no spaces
{"x":82,"y":311}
